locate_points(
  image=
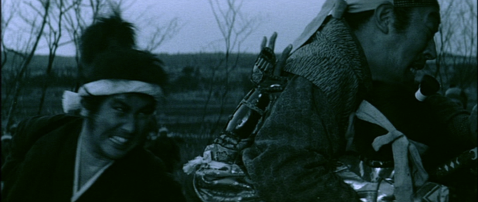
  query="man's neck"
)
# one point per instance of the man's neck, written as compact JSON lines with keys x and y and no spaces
{"x":89,"y":161}
{"x":89,"y":152}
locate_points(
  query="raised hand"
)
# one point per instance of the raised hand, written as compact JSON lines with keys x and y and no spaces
{"x":279,"y":64}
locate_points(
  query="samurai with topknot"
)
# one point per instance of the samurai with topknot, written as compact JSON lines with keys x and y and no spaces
{"x":97,"y":154}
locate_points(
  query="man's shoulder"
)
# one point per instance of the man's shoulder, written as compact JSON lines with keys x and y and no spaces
{"x":32,"y":129}
{"x":46,"y":122}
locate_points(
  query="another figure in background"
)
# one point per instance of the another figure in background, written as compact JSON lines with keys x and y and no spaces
{"x":164,"y":147}
{"x":98,"y":156}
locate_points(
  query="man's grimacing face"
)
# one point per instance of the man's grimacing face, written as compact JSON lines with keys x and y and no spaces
{"x":120,"y":124}
{"x":413,"y":46}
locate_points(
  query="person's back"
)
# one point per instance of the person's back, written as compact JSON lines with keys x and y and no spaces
{"x":295,"y":145}
{"x":295,"y":152}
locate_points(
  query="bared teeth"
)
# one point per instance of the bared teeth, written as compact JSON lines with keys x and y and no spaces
{"x":119,"y":140}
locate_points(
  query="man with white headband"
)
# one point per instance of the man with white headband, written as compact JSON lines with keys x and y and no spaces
{"x":98,"y":156}
{"x":296,"y":151}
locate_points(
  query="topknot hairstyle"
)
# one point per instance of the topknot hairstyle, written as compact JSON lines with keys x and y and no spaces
{"x":108,"y":52}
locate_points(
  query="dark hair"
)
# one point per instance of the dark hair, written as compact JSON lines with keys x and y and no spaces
{"x":127,"y":64}
{"x":402,"y":18}
{"x":108,"y":52}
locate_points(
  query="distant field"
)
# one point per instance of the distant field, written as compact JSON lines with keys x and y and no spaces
{"x":192,"y":78}
{"x":186,"y":111}
{"x":176,"y":111}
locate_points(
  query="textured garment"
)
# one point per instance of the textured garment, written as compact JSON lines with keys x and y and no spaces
{"x":41,"y":168}
{"x":294,"y":154}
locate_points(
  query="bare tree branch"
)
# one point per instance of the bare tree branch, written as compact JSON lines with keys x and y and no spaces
{"x":26,"y":62}
{"x":456,"y":62}
{"x":162,"y":33}
{"x":235,"y":29}
{"x":53,"y":38}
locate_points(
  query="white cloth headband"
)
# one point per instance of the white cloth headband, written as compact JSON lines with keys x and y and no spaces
{"x":335,"y":8}
{"x":72,"y":101}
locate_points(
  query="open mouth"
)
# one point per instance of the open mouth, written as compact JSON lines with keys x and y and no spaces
{"x":119,"y":140}
{"x":418,"y":65}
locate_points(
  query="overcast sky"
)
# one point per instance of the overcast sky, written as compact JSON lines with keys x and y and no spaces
{"x":199,"y":30}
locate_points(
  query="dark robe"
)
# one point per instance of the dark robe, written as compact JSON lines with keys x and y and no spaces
{"x":41,"y":168}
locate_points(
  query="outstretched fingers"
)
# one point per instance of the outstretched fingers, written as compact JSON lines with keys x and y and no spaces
{"x":279,"y":65}
{"x":272,"y":41}
{"x":263,"y":43}
{"x":282,"y":60}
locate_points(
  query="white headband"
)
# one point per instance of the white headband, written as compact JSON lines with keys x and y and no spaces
{"x":72,"y":101}
{"x":335,"y":8}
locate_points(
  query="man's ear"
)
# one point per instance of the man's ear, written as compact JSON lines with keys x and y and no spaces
{"x":383,"y":17}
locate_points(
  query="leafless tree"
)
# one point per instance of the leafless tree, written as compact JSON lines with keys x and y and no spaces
{"x":162,"y":33}
{"x":82,"y":13}
{"x":10,"y":8}
{"x":31,"y":45}
{"x":74,"y":26}
{"x":26,"y":24}
{"x":457,"y":44}
{"x":52,"y":35}
{"x":6,"y":19}
{"x":235,"y":28}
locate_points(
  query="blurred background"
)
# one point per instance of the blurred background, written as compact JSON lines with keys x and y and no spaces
{"x":208,"y":46}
